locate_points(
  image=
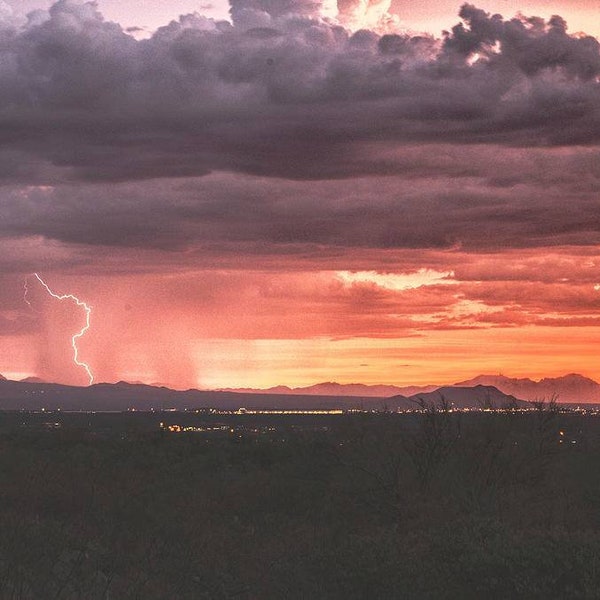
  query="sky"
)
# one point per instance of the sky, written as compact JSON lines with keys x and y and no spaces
{"x":294,"y":191}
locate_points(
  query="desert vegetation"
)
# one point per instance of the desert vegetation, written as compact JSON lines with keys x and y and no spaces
{"x":436,"y":505}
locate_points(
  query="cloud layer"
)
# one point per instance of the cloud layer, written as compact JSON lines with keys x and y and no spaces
{"x":474,"y":198}
{"x":280,"y":92}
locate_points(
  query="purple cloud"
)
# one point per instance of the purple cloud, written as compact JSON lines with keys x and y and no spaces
{"x":281,"y":92}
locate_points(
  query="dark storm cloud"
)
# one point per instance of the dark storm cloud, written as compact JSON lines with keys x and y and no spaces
{"x":280,"y":92}
{"x":530,"y":43}
{"x":452,"y":210}
{"x":274,"y":8}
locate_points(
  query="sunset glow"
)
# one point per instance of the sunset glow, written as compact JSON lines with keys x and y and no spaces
{"x":287,"y":198}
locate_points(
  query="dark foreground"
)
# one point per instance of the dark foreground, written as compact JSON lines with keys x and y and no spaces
{"x":360,"y":506}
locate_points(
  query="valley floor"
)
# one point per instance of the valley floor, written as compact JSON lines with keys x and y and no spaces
{"x":433,"y":506}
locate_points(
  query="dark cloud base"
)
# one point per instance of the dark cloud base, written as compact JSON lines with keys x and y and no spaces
{"x":486,"y":199}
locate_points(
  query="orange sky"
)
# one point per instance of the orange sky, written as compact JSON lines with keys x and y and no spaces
{"x":521,"y":313}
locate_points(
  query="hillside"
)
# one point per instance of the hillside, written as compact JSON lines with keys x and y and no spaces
{"x":479,"y":396}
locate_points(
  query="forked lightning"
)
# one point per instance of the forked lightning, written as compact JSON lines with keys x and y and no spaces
{"x":76,"y":336}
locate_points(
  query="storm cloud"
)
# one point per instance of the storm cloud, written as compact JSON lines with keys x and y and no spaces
{"x":282,"y":91}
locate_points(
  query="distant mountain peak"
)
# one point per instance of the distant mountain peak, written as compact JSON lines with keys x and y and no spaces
{"x":570,"y":388}
{"x":120,"y":384}
{"x":32,"y":380}
{"x":571,"y":377}
{"x":492,"y":380}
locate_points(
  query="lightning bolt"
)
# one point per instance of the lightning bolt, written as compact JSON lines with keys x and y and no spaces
{"x":76,"y":336}
{"x":25,"y":298}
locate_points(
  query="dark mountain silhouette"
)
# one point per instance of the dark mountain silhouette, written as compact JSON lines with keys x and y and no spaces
{"x":33,"y":380}
{"x":481,"y":391}
{"x":572,"y":388}
{"x":17,"y":395}
{"x":331,"y":388}
{"x":479,"y":396}
{"x":411,"y":390}
{"x":2,"y":378}
{"x":278,"y":389}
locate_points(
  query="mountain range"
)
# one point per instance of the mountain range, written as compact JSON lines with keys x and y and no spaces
{"x":481,"y":391}
{"x":572,"y":388}
{"x":331,"y":388}
{"x":26,"y":395}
